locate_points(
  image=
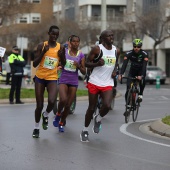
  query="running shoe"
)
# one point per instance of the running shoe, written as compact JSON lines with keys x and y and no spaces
{"x":60,"y":128}
{"x":56,"y":121}
{"x":140,"y":97}
{"x":126,"y":113}
{"x":97,"y":125}
{"x":45,"y":122}
{"x":84,"y":136}
{"x":36,"y":133}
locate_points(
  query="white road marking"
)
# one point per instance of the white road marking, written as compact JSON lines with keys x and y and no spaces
{"x":123,"y":130}
{"x":165,"y":98}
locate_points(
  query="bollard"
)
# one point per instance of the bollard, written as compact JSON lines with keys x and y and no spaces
{"x":157,"y":82}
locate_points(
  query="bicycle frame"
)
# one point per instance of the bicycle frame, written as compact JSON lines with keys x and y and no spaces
{"x":132,"y":104}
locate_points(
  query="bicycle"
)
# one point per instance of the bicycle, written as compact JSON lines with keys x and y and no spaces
{"x":132,"y":102}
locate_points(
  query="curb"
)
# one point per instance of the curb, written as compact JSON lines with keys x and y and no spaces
{"x":33,"y":100}
{"x":160,"y":128}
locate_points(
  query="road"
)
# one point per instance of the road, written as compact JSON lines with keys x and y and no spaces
{"x":118,"y":146}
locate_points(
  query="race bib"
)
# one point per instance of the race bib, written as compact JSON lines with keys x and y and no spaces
{"x":50,"y":62}
{"x":109,"y":60}
{"x":70,"y":66}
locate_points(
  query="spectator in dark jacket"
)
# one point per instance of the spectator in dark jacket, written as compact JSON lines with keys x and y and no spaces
{"x":17,"y":63}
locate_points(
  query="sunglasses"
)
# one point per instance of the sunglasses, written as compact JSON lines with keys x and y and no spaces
{"x":136,"y":46}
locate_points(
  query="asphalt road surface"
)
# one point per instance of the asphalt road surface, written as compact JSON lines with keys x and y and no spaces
{"x":118,"y":146}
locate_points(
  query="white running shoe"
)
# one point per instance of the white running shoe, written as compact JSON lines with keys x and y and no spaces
{"x":140,"y":97}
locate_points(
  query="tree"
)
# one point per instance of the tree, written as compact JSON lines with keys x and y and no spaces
{"x":152,"y":23}
{"x":9,"y":9}
{"x":155,"y":25}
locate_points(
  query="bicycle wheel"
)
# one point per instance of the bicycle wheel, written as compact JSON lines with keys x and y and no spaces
{"x":73,"y":106}
{"x":136,"y":109}
{"x":128,"y":107}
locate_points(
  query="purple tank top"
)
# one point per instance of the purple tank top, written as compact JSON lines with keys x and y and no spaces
{"x":69,"y":73}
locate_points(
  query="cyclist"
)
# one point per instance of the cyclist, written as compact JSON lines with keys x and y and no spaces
{"x":102,"y":59}
{"x":139,"y":59}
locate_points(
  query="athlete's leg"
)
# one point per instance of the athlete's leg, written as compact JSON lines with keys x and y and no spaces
{"x":127,"y":88}
{"x":39,"y":93}
{"x":106,"y":102}
{"x":91,"y":108}
{"x":63,"y":95}
{"x":69,"y":100}
{"x":52,"y":94}
{"x":142,"y":86}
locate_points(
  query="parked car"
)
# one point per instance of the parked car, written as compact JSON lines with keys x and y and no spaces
{"x":153,"y":72}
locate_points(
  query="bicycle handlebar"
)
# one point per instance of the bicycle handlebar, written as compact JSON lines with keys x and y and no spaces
{"x":131,"y":78}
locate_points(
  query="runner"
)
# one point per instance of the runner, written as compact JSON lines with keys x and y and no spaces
{"x":102,"y":59}
{"x":68,"y":83}
{"x":48,"y":56}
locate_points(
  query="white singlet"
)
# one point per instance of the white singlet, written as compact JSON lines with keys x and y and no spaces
{"x":101,"y":75}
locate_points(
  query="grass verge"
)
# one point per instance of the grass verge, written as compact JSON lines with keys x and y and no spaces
{"x":30,"y":93}
{"x":166,"y":120}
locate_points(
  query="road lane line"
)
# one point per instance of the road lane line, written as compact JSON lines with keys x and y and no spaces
{"x":123,"y":130}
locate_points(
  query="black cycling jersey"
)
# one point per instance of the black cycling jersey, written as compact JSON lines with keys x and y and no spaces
{"x":138,"y":62}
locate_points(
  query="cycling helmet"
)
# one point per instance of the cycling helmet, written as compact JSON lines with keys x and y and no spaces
{"x":137,"y":42}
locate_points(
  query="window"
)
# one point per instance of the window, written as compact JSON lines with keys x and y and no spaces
{"x":32,"y":1}
{"x":35,"y":18}
{"x":23,"y":1}
{"x":29,"y":18}
{"x":36,"y":1}
{"x":23,"y":19}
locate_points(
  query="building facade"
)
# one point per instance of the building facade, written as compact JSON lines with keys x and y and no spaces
{"x":141,"y":7}
{"x":23,"y":30}
{"x":89,"y":13}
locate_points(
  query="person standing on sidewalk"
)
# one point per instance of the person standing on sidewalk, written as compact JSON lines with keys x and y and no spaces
{"x":17,"y":63}
{"x":8,"y":71}
{"x":48,"y":56}
{"x":103,"y":61}
{"x":68,"y":83}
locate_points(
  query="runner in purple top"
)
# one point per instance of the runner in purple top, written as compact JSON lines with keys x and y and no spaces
{"x":68,"y":82}
{"x":69,"y":73}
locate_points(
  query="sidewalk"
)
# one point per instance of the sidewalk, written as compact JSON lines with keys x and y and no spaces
{"x":160,"y":128}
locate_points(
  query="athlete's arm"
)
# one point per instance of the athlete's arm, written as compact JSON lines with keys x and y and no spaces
{"x":124,"y":65}
{"x":61,"y":54}
{"x":145,"y":62}
{"x":40,"y":53}
{"x":116,"y":64}
{"x":94,"y":53}
{"x":82,"y":67}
